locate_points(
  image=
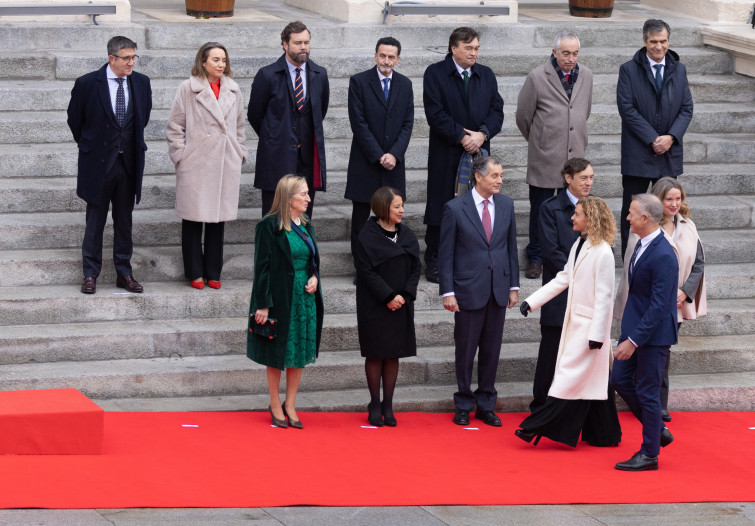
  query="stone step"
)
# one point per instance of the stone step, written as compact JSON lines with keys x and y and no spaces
{"x":162,"y":227}
{"x":58,"y":194}
{"x":699,"y":392}
{"x":42,"y":127}
{"x":60,"y":159}
{"x":340,"y":62}
{"x":54,"y":95}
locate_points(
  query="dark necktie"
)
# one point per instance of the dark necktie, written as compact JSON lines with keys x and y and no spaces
{"x":298,"y":90}
{"x":386,"y":88}
{"x":487,"y":225}
{"x":120,"y":102}
{"x":466,"y":82}
{"x":658,"y":78}
{"x":634,"y":258}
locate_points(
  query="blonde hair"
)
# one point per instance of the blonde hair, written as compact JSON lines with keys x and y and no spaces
{"x":661,"y":188}
{"x":601,"y":225}
{"x":281,"y":208}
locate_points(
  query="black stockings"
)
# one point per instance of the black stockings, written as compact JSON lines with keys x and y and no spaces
{"x":387,"y":369}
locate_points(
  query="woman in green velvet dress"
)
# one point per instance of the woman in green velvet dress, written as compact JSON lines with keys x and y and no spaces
{"x":286,"y":288}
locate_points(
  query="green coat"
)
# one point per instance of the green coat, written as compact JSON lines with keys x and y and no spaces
{"x":273,"y":288}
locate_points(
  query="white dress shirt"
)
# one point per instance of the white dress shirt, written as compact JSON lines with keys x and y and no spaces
{"x":292,"y":73}
{"x":113,"y":87}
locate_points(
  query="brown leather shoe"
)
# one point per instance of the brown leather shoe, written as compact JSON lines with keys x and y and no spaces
{"x":89,"y":285}
{"x":534,"y":270}
{"x":128,"y":283}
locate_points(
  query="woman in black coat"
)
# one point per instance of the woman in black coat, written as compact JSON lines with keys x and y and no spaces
{"x":388,"y":270}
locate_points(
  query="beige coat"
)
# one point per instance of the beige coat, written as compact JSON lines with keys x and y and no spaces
{"x":206,"y":143}
{"x":582,"y":373}
{"x":554,"y":126}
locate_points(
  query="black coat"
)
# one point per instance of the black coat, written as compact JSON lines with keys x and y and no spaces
{"x":91,"y":118}
{"x":384,"y":269}
{"x":273,"y":116}
{"x":448,"y":114}
{"x":378,"y":127}
{"x":647,"y":113}
{"x":556,"y":239}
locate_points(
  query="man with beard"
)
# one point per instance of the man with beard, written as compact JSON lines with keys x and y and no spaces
{"x":288,"y":102}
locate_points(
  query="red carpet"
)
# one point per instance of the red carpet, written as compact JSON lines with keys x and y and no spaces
{"x":239,"y":460}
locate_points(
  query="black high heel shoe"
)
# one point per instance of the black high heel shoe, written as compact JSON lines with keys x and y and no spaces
{"x":527,"y":437}
{"x":276,"y":422}
{"x":389,"y":418}
{"x":375,"y":414}
{"x":296,"y":424}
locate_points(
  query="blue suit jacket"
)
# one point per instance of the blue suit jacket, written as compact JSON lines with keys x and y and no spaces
{"x":90,"y":116}
{"x":469,"y":266}
{"x":650,"y":312}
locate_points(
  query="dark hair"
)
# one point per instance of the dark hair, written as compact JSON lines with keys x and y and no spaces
{"x":293,"y":27}
{"x":388,"y":41}
{"x":574,"y":165}
{"x":381,"y":201}
{"x":654,"y":25}
{"x":481,"y":165}
{"x":115,"y":44}
{"x":461,"y":34}
{"x":203,"y":54}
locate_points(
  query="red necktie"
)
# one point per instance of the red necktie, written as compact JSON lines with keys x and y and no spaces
{"x":566,"y":76}
{"x":486,"y":223}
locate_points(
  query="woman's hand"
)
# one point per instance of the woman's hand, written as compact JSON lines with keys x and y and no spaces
{"x":681,"y":297}
{"x":311,"y":285}
{"x":260,"y":316}
{"x":396,"y":302}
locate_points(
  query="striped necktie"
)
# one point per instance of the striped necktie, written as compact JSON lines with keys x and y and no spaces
{"x":298,"y":90}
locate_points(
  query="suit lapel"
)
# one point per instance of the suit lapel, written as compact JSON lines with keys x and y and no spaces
{"x":638,"y":264}
{"x":471,"y":211}
{"x":104,"y":90}
{"x":377,"y":88}
{"x":498,"y":222}
{"x":555,"y":81}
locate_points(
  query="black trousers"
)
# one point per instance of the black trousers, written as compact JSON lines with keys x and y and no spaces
{"x":547,"y":354}
{"x":537,"y":197}
{"x":303,"y":169}
{"x":632,"y":186}
{"x":360,"y":213}
{"x":120,"y":190}
{"x":432,"y":241}
{"x":199,"y":263}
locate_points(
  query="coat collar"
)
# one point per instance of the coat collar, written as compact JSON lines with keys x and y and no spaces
{"x":104,"y":91}
{"x":582,"y":252}
{"x":221,"y":106}
{"x":377,"y":87}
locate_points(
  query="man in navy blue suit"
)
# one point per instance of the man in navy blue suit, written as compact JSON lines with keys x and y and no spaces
{"x":108,"y":111}
{"x":479,"y":278}
{"x":648,"y":329}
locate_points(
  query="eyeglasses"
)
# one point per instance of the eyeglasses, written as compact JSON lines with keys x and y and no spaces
{"x":132,"y":58}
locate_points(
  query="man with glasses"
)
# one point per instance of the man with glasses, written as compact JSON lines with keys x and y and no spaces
{"x":108,"y":111}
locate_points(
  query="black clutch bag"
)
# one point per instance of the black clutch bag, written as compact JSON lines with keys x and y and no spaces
{"x":267,"y":330}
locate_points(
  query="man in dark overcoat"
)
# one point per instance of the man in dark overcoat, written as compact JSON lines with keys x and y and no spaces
{"x":107,"y":113}
{"x":464,"y":111}
{"x":655,"y":105}
{"x":381,"y":114}
{"x":288,"y":102}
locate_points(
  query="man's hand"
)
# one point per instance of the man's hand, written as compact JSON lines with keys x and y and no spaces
{"x":472,"y":141}
{"x":662,"y":144}
{"x":624,"y":350}
{"x":388,"y":161}
{"x":513,"y":298}
{"x":396,"y":302}
{"x":450,"y":304}
{"x":311,"y":285}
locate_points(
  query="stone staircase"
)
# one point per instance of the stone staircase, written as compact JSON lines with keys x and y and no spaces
{"x":177,"y":348}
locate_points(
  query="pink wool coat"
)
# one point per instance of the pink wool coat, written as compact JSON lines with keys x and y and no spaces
{"x":206,"y":139}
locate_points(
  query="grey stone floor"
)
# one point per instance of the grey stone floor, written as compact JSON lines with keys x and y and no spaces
{"x":709,"y":514}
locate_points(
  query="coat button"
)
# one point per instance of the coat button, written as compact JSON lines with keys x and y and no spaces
{"x":571,"y":128}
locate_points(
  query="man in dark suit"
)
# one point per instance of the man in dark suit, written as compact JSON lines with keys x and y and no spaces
{"x":288,"y":102}
{"x":464,"y":111}
{"x":381,"y":114}
{"x":479,"y":279}
{"x":556,"y":237}
{"x":108,"y":111}
{"x":648,"y":329}
{"x":655,"y":105}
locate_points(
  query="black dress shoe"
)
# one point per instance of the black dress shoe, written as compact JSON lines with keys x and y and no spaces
{"x":432,"y":275}
{"x":128,"y":283}
{"x":461,"y":417}
{"x":295,"y":424}
{"x":665,"y":416}
{"x":639,"y":462}
{"x":524,"y":435}
{"x":389,"y":418}
{"x":488,"y":417}
{"x":534,"y":270}
{"x":89,"y":285}
{"x":277,"y":422}
{"x":666,"y":437}
{"x":375,"y":414}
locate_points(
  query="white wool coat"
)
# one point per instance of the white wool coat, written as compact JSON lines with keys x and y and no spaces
{"x":206,"y":139}
{"x":582,"y":373}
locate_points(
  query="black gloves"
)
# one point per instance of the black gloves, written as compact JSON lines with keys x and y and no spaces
{"x":524,"y":308}
{"x":595,"y":345}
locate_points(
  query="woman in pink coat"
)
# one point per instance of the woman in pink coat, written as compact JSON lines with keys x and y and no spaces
{"x":206,"y":135}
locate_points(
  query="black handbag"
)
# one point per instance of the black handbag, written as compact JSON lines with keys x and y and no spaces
{"x":267,"y":330}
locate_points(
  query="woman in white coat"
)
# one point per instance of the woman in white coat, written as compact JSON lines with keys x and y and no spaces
{"x":206,"y":132}
{"x":579,"y":400}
